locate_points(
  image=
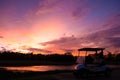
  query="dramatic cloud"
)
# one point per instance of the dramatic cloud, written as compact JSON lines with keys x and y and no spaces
{"x":75,"y":8}
{"x":2,"y":48}
{"x":114,"y":41}
{"x":40,"y":24}
{"x":68,"y":50}
{"x":108,"y":37}
{"x":80,"y":12}
{"x":105,"y":37}
{"x":38,"y":50}
{"x":47,"y":6}
{"x":80,"y":9}
{"x":112,"y":21}
{"x":63,"y":42}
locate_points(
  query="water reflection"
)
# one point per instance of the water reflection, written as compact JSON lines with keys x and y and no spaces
{"x":39,"y":68}
{"x":46,"y":68}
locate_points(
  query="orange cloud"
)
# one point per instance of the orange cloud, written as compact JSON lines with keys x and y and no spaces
{"x":1,"y":37}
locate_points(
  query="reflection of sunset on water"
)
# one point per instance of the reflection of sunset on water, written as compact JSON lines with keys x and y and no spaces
{"x":39,"y":68}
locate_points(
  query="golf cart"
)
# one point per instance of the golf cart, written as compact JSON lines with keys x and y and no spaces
{"x":96,"y":67}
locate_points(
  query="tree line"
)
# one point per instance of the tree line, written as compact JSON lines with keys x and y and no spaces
{"x":7,"y":55}
{"x":109,"y":58}
{"x":67,"y":57}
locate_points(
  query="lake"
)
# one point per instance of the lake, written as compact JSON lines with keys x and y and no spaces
{"x":46,"y":68}
{"x":40,"y":68}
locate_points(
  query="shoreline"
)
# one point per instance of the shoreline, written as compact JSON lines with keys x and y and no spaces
{"x":32,"y":63}
{"x":48,"y":75}
{"x":13,"y":63}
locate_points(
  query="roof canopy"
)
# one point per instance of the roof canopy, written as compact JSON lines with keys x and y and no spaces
{"x":91,"y":49}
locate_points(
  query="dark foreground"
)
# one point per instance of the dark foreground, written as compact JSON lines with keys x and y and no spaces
{"x":52,"y":75}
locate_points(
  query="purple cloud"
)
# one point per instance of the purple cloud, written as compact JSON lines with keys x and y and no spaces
{"x":114,"y":41}
{"x":78,"y":9}
{"x":103,"y":38}
{"x":109,"y":35}
{"x":68,"y":50}
{"x":64,"y":42}
{"x":112,"y":21}
{"x":49,"y":3}
{"x":80,"y":12}
{"x":39,"y":50}
{"x":47,"y":6}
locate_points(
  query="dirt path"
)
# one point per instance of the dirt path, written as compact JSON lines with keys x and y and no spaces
{"x":65,"y":76}
{"x":69,"y":76}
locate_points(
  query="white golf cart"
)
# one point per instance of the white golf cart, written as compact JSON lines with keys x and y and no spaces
{"x":96,"y":68}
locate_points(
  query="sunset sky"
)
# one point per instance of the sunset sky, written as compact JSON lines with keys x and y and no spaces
{"x":59,"y":26}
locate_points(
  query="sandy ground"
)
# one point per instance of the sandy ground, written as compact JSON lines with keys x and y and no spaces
{"x":69,"y":76}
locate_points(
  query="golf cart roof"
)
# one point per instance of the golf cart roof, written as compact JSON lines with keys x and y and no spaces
{"x":91,"y":49}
